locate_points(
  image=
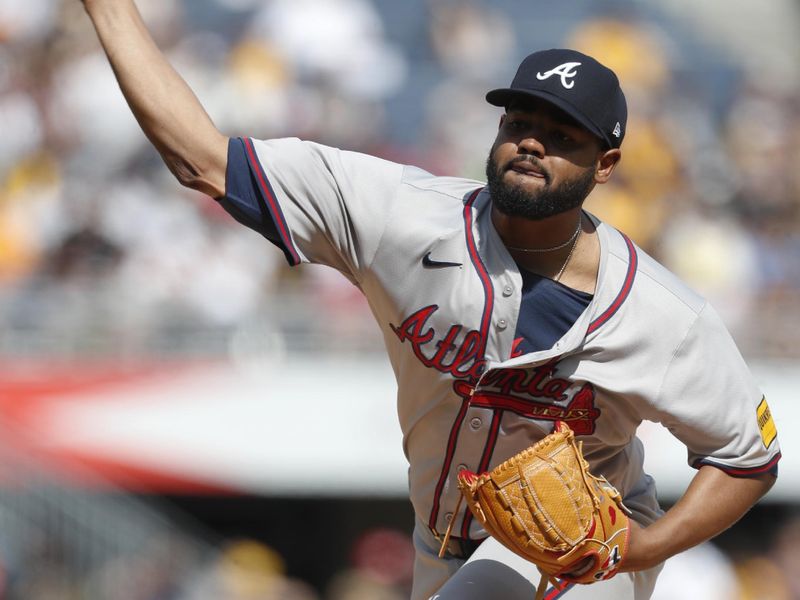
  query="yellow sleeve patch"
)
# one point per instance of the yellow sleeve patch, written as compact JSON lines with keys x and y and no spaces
{"x":765,"y":423}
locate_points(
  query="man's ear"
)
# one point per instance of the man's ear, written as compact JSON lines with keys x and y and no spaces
{"x":502,"y":120}
{"x":606,"y":165}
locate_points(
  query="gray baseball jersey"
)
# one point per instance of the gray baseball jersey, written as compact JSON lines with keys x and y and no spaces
{"x":446,"y":294}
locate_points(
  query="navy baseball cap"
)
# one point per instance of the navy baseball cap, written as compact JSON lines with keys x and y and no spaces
{"x":583,"y":88}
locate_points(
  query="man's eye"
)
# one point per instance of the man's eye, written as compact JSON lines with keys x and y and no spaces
{"x":562,"y":138}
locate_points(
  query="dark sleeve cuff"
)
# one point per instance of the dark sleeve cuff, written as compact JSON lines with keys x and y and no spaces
{"x":250,"y":200}
{"x":770,"y":467}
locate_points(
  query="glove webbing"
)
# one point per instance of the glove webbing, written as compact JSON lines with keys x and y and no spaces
{"x":546,"y":458}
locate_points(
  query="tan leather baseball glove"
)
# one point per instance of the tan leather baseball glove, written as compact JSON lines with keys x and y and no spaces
{"x":544,"y":505}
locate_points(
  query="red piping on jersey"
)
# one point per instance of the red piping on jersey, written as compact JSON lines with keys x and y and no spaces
{"x":488,"y":289}
{"x":448,"y":459}
{"x":488,"y":292}
{"x":633,"y":263}
{"x":739,"y":471}
{"x":494,"y":429}
{"x":272,"y":204}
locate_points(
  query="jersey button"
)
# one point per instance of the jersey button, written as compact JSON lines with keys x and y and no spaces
{"x":502,"y":324}
{"x":507,"y":291}
{"x":475,"y":423}
{"x":448,"y":517}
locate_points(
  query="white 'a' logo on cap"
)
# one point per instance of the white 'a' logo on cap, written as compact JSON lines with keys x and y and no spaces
{"x":566,"y":72}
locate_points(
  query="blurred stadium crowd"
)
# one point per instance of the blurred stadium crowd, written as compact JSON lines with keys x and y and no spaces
{"x":102,"y":254}
{"x":101,"y":251}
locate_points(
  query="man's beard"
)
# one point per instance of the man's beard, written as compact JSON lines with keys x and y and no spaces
{"x":515,"y":201}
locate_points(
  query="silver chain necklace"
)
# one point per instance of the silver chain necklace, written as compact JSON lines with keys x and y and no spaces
{"x":571,"y":250}
{"x":571,"y":240}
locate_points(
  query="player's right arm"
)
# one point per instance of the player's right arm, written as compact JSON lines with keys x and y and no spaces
{"x":167,"y":110}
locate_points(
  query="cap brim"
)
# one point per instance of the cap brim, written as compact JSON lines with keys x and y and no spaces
{"x":503,"y":96}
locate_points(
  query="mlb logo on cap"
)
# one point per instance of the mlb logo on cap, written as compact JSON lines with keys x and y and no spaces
{"x":579,"y":85}
{"x":567,"y":71}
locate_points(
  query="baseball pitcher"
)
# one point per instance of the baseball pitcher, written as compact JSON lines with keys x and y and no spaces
{"x":529,"y":339}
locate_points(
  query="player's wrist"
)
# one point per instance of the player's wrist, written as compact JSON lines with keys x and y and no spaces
{"x":644,"y":550}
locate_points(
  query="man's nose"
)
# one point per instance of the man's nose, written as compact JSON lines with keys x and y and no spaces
{"x":532,"y":144}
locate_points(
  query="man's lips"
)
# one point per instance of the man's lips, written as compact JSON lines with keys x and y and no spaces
{"x":526,"y":167}
{"x":525,"y":171}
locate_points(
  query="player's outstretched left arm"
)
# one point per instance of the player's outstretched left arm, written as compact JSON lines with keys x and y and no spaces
{"x":167,"y":110}
{"x":713,"y":502}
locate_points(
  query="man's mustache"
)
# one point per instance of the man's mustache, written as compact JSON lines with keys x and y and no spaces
{"x":533,"y":161}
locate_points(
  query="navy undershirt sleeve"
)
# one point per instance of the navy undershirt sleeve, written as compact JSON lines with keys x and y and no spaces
{"x":547,"y":310}
{"x":243,"y":199}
